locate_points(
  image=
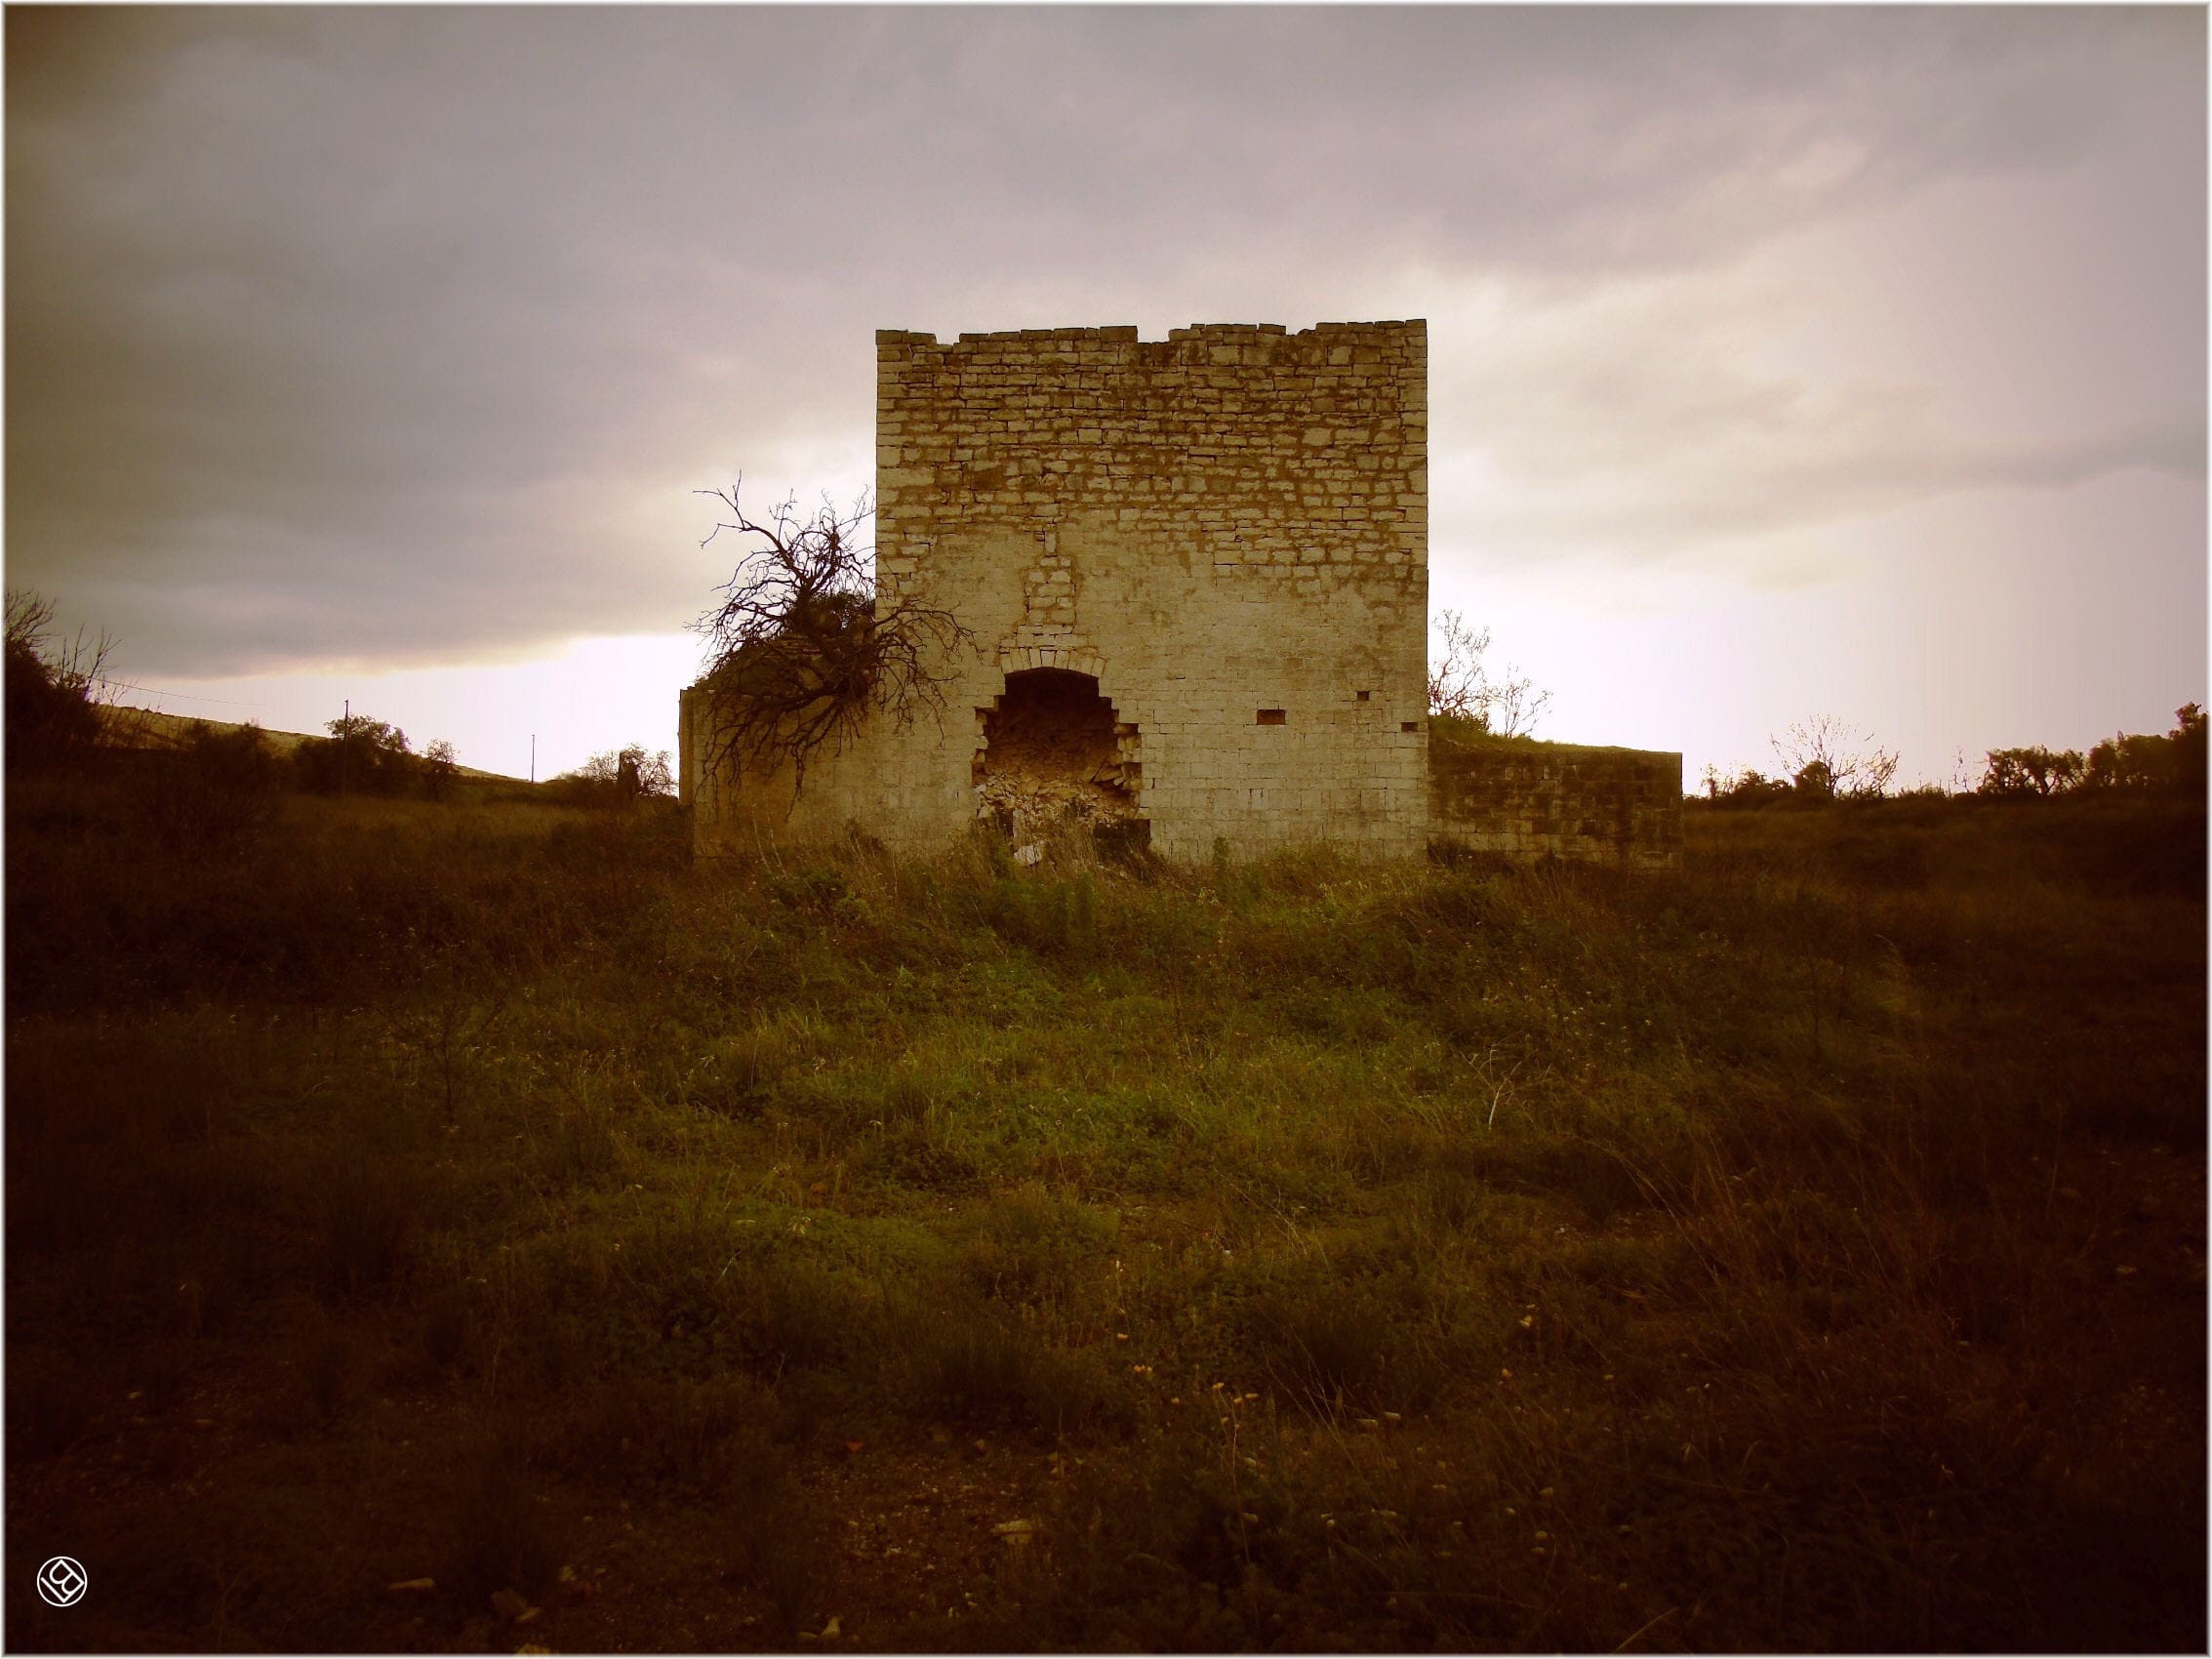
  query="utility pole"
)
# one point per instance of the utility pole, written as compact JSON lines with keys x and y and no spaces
{"x":533,"y":758}
{"x":345,"y":746}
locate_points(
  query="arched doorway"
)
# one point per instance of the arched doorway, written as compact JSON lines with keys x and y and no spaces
{"x":1054,"y":753}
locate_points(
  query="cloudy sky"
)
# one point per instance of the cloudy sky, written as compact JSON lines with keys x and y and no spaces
{"x":1784,"y":361}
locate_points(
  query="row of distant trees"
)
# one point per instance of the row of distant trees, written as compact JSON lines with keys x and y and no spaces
{"x":365,"y":755}
{"x":371,"y":756}
{"x":61,"y":708}
{"x":1826,"y":761}
{"x":2125,"y":763}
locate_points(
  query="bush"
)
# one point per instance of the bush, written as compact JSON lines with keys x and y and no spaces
{"x":51,"y":689}
{"x":618,"y":778}
{"x":222,"y":788}
{"x":439,"y":770}
{"x":362,"y":756}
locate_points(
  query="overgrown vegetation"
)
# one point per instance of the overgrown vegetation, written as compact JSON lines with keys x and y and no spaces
{"x":212,"y":786}
{"x":1825,"y":761}
{"x":1463,"y":693}
{"x":618,"y":778}
{"x":362,"y":756}
{"x":2124,"y":764}
{"x":1802,"y":1250}
{"x":53,"y":686}
{"x":805,"y":644}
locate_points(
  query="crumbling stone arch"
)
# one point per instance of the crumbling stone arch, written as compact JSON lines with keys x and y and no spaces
{"x":1052,"y":748}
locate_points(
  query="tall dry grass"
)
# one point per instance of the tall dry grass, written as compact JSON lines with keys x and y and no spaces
{"x":1803,"y":1250}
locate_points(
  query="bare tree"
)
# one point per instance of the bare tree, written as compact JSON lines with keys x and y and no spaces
{"x":1828,"y":756}
{"x":802,"y":647}
{"x":1459,"y":686}
{"x":58,"y":693}
{"x":1454,"y":679}
{"x":618,"y":777}
{"x":1515,"y":704}
{"x":77,"y":665}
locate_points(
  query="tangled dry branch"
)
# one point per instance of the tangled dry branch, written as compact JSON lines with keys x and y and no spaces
{"x":1461,"y":686}
{"x":802,"y":646}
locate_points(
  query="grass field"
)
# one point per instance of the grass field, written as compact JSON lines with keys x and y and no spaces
{"x":1802,"y":1250}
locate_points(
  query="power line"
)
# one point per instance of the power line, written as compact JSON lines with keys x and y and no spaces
{"x":189,"y":696}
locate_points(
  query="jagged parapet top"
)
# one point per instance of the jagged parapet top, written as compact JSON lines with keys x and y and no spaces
{"x":1220,"y":342}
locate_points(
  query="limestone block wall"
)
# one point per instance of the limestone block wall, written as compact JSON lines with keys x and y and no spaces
{"x":1527,"y":800}
{"x":770,"y":808}
{"x":1226,"y":528}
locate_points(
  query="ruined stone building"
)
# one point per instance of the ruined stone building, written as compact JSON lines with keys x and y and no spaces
{"x":1194,"y":577}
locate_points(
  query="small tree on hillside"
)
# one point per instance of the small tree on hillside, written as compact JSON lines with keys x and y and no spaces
{"x":803,"y":646}
{"x":362,"y":756}
{"x":440,"y":769}
{"x":54,"y":688}
{"x":2188,"y":740}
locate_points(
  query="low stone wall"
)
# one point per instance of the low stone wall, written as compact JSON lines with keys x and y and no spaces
{"x":1532,"y":801}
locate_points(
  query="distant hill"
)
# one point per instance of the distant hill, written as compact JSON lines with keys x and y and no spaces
{"x":125,"y":727}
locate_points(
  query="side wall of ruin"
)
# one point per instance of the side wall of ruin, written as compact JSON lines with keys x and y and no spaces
{"x":1530,"y":801}
{"x":1227,"y":529}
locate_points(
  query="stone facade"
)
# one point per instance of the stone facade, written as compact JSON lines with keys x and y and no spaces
{"x":1194,"y":573}
{"x":1226,"y":531}
{"x":1532,"y":801}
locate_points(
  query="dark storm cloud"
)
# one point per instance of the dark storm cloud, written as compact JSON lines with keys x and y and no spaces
{"x":399,"y":334}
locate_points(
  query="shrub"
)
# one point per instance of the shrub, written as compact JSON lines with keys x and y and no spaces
{"x":440,"y":769}
{"x":2033,"y":771}
{"x":362,"y":756}
{"x":618,"y":778}
{"x":222,"y":788}
{"x":52,"y":689}
{"x":811,"y":892}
